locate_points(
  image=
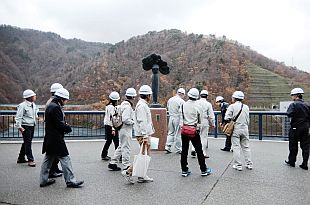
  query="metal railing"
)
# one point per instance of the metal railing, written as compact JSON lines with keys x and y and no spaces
{"x":263,"y":125}
{"x":83,"y":124}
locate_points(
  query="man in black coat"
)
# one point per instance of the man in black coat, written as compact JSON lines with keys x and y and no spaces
{"x":54,"y":144}
{"x":299,"y":112}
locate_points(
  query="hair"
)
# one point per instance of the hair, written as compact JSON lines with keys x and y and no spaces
{"x":130,"y":97}
{"x":113,"y":102}
{"x":143,"y":96}
{"x":60,"y":100}
{"x":194,"y":99}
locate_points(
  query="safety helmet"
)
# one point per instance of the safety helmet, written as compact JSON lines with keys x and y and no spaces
{"x":145,"y":90}
{"x":296,"y":91}
{"x":131,"y":92}
{"x":63,"y":93}
{"x":114,"y":95}
{"x":204,"y":93}
{"x":55,"y":86}
{"x":238,"y":95}
{"x":193,"y":93}
{"x":181,"y":91}
{"x":219,"y":99}
{"x":28,"y":93}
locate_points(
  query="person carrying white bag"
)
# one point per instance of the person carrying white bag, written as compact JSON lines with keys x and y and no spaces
{"x":143,"y":128}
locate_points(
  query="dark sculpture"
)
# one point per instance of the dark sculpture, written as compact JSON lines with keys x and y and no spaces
{"x":155,"y":63}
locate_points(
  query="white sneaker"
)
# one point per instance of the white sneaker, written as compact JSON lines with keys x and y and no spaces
{"x":237,"y":167}
{"x":249,"y":166}
{"x":145,"y":179}
{"x":127,"y":177}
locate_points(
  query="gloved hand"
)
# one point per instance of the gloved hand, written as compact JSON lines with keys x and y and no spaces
{"x":67,"y":129}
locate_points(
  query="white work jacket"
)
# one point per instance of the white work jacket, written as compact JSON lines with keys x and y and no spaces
{"x":191,"y":113}
{"x":143,"y":119}
{"x":109,"y":112}
{"x":207,"y":113}
{"x":174,"y":104}
{"x":127,"y":113}
{"x":27,"y":113}
{"x":243,"y":120}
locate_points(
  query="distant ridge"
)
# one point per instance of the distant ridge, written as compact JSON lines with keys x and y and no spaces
{"x":34,"y":59}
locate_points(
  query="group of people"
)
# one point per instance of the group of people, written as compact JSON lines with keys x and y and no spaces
{"x":196,"y":112}
{"x":199,"y":113}
{"x":54,"y":145}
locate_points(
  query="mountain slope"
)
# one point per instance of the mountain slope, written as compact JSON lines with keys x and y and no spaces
{"x":34,"y":59}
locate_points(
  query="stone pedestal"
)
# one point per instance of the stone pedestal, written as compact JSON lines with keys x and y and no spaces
{"x":159,"y":118}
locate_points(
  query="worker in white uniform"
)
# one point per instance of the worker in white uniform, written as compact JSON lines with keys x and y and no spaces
{"x":190,"y":115}
{"x":240,"y":136}
{"x":207,"y":118}
{"x":174,"y":132}
{"x":143,"y":128}
{"x":125,"y":133}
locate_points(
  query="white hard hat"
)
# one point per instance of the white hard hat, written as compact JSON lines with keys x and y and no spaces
{"x":296,"y":91}
{"x":219,"y":99}
{"x":193,"y":93}
{"x":238,"y":95}
{"x":204,"y":92}
{"x":63,"y":93}
{"x":181,"y":90}
{"x":28,"y":93}
{"x":114,"y":95}
{"x":145,"y":90}
{"x":55,"y":86}
{"x":131,"y":92}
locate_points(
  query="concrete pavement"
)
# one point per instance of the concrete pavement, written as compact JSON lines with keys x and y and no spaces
{"x":270,"y":182}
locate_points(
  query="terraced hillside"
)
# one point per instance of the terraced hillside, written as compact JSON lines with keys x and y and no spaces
{"x":268,"y":89}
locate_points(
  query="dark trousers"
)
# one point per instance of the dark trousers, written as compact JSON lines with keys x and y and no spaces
{"x":299,"y":134}
{"x":54,"y":167}
{"x":26,"y":146}
{"x":109,"y":138}
{"x":228,"y":142}
{"x":198,"y":147}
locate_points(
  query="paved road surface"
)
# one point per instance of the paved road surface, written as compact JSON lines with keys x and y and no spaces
{"x":270,"y":182}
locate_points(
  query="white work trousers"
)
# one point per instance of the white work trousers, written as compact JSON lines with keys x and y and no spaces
{"x":174,"y":134}
{"x":125,"y":135}
{"x":240,"y":141}
{"x":204,"y":132}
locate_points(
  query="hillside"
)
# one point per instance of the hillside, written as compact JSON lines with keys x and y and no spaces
{"x":34,"y":59}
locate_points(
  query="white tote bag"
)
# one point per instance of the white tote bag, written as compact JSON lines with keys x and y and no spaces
{"x":141,"y":163}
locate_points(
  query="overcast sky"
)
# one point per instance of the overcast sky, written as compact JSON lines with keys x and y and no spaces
{"x":278,"y":29}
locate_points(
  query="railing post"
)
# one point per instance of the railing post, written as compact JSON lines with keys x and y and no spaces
{"x":260,"y":126}
{"x":216,"y":125}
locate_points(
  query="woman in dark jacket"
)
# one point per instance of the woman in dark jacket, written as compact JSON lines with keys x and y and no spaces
{"x":54,"y":144}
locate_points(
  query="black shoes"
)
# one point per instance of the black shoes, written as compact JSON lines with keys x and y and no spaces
{"x":193,"y":153}
{"x":114,"y":167}
{"x":76,"y":184}
{"x":54,"y":175}
{"x":290,"y":163}
{"x":305,"y":167}
{"x":106,"y":158}
{"x":226,"y":149}
{"x":49,"y":182}
{"x":19,"y":161}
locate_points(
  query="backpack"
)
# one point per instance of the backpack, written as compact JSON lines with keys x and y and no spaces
{"x":116,"y":119}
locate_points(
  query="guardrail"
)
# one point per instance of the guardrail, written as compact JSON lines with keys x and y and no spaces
{"x":83,"y":123}
{"x":263,"y":125}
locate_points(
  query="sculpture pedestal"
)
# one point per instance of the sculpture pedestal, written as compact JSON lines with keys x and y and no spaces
{"x":159,"y":119}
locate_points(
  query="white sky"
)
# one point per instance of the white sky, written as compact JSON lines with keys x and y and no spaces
{"x":278,"y":29}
